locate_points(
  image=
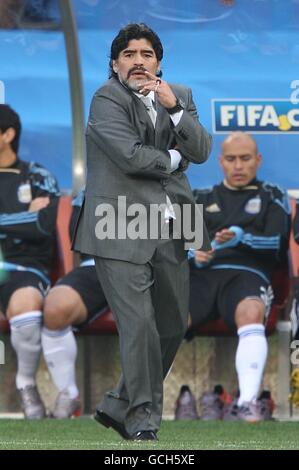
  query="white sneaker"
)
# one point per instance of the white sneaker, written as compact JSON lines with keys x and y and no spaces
{"x":250,"y":412}
{"x":66,"y":407}
{"x":31,"y":402}
{"x":231,"y":412}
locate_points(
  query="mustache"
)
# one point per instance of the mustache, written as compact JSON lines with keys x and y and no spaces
{"x":136,"y":69}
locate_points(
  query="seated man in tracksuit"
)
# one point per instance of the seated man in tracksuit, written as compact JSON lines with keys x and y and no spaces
{"x":29,"y":198}
{"x":249,"y":223}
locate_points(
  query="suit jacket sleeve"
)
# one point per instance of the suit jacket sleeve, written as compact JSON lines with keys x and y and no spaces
{"x":192,"y":139}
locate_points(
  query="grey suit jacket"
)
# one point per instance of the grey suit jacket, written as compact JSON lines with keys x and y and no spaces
{"x":127,"y":157}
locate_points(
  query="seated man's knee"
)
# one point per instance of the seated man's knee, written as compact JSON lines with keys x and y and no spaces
{"x":23,"y":300}
{"x":249,"y":311}
{"x":62,"y":308}
{"x":55,"y":312}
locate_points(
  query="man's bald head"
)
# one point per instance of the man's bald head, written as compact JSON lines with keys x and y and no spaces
{"x":240,"y":137}
{"x":239,"y":159}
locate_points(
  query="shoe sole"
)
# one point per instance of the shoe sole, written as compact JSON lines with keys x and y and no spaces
{"x":109,"y":422}
{"x":76,"y":414}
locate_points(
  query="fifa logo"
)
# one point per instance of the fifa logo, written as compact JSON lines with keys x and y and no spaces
{"x":269,"y":116}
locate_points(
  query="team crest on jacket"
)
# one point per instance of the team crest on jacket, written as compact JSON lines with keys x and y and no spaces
{"x":213,"y":208}
{"x":253,"y":206}
{"x":24,"y":193}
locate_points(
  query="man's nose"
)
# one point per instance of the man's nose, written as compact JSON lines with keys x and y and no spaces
{"x":238,"y":163}
{"x":138,"y":59}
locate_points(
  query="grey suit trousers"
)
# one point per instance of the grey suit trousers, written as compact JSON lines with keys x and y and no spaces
{"x":150,"y":305}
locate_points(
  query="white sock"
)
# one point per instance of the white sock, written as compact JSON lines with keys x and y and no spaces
{"x":251,"y":358}
{"x":60,"y":352}
{"x":26,"y":341}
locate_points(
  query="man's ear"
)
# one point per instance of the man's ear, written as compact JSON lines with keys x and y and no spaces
{"x":9,"y":135}
{"x":114,"y":66}
{"x":259,"y":160}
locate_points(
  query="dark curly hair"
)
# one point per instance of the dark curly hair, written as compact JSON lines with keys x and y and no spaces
{"x":134,"y":31}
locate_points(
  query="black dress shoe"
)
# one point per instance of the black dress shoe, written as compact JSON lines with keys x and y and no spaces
{"x":106,"y":420}
{"x":144,"y":436}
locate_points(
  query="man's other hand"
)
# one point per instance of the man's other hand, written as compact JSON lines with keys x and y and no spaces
{"x":224,"y":236}
{"x":204,"y":256}
{"x":38,"y":203}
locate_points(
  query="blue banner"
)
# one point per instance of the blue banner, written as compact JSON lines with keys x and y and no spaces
{"x":255,"y":116}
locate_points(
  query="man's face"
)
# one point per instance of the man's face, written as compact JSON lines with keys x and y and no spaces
{"x":133,"y":61}
{"x":239,"y":161}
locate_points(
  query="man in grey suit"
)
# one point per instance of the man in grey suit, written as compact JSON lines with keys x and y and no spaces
{"x":137,"y":155}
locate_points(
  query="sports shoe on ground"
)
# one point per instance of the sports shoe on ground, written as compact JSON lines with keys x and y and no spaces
{"x":231,"y":412}
{"x":31,"y":402}
{"x":250,"y":412}
{"x":211,"y":406}
{"x":185,"y":408}
{"x":214,"y":403}
{"x":224,"y":396}
{"x":266,"y":404}
{"x":66,"y":407}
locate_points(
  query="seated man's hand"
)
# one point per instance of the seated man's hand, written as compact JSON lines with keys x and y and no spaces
{"x":38,"y":203}
{"x":224,"y":236}
{"x":204,"y":256}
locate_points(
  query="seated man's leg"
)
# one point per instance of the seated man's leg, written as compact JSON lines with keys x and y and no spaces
{"x":23,"y":296}
{"x":252,"y":348}
{"x":204,"y":284}
{"x":250,"y":298}
{"x":75,"y":297}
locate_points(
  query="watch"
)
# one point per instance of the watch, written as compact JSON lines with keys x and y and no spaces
{"x":179,"y":106}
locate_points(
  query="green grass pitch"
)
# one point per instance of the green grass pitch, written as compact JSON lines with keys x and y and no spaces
{"x":85,"y":433}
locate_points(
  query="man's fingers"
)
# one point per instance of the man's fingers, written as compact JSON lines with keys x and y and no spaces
{"x":152,"y":85}
{"x":152,"y":76}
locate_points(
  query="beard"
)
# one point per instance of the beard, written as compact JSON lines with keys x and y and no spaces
{"x":133,"y":85}
{"x":130,"y":82}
